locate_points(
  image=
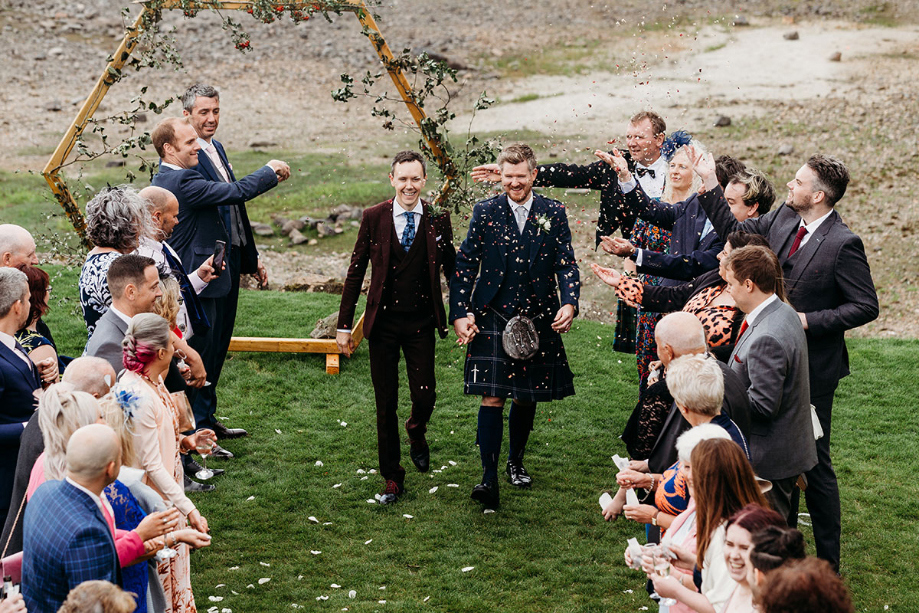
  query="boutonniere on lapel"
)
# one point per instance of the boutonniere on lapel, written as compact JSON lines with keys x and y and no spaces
{"x":543,"y":224}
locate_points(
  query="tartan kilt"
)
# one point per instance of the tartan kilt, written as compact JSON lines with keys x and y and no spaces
{"x":489,"y":371}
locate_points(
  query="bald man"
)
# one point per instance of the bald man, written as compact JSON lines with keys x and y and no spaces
{"x":164,"y":210}
{"x":87,"y":374}
{"x":17,"y":246}
{"x":69,"y":525}
{"x":680,"y":334}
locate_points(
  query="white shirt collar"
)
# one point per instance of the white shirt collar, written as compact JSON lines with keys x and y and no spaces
{"x":205,"y":144}
{"x":812,"y":226}
{"x":526,"y":205}
{"x":6,"y":339}
{"x":121,"y":315}
{"x":398,"y":211}
{"x":172,"y":166}
{"x":752,"y":315}
{"x":657,"y":166}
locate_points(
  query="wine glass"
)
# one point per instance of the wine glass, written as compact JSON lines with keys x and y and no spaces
{"x":662,"y":569}
{"x":204,"y":446}
{"x":166,"y":553}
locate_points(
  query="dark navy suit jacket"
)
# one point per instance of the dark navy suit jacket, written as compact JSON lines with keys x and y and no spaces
{"x":249,"y":262}
{"x":200,"y":223}
{"x":66,"y":542}
{"x":18,"y":382}
{"x":691,"y":254}
{"x":553,"y":268}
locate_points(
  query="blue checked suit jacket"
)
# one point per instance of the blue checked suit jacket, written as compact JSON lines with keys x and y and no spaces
{"x":66,"y":541}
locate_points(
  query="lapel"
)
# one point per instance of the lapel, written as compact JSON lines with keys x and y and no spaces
{"x":427,"y":221}
{"x":206,"y":168}
{"x":502,"y":235}
{"x":751,"y":329}
{"x":93,"y":509}
{"x":531,"y":230}
{"x":223,"y":158}
{"x":786,"y":232}
{"x":27,"y":370}
{"x":806,"y":253}
{"x":387,"y":228}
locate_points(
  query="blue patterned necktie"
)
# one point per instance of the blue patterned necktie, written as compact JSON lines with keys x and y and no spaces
{"x":408,"y":234}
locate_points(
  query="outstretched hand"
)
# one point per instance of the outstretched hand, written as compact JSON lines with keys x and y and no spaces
{"x":704,"y":166}
{"x":617,"y":162}
{"x":486,"y":172}
{"x":607,"y":275}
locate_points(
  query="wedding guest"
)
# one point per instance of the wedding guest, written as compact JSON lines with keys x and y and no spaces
{"x":771,"y":548}
{"x":98,"y":597}
{"x":738,"y":542}
{"x":40,"y":348}
{"x":808,"y":586}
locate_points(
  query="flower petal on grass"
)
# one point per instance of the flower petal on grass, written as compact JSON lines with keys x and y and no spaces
{"x":313,"y":519}
{"x":407,"y":516}
{"x":337,"y":485}
{"x":319,"y":463}
{"x":466,"y":569}
{"x":453,"y":485}
{"x":215,"y":598}
{"x":352,"y":594}
{"x":276,"y":430}
{"x":335,"y":586}
{"x":432,"y":490}
{"x":368,"y":541}
{"x":314,"y":552}
{"x":487,"y":511}
{"x":451,"y":463}
{"x":361,"y":471}
{"x":371,"y":501}
{"x":264,"y":580}
{"x":426,"y":598}
{"x":250,"y":498}
{"x":264,"y":563}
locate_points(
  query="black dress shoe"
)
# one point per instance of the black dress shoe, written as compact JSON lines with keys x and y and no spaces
{"x":220,"y":452}
{"x":392,"y":492}
{"x":192,"y":467}
{"x":421,"y":456}
{"x":487,"y":494}
{"x":518,"y":475}
{"x":223,"y":432}
{"x":194,"y":486}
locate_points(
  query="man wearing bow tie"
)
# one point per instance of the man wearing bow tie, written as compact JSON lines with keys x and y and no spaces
{"x":644,"y":136}
{"x":516,"y":260}
{"x":830,"y":286}
{"x":19,"y":378}
{"x":408,"y":245}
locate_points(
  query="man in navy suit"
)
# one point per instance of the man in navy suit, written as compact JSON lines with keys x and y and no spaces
{"x":19,"y":379}
{"x":201,"y":223}
{"x":829,"y":284}
{"x":69,"y":534}
{"x":516,"y":259}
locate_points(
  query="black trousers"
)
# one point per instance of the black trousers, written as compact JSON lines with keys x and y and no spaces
{"x":413,"y":335}
{"x":822,"y":493}
{"x":213,"y":345}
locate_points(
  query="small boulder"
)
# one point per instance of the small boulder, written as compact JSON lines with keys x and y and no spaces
{"x":836,"y":57}
{"x":786,"y":149}
{"x":262,"y":229}
{"x":297,"y":238}
{"x":290,"y":225}
{"x":791,"y":35}
{"x":723,"y":121}
{"x":326,"y":327}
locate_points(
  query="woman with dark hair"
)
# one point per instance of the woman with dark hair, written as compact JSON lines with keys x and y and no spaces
{"x":738,"y":542}
{"x":723,"y":483}
{"x":116,"y":220}
{"x":772,"y":548}
{"x":808,"y":586}
{"x":34,"y":337}
{"x":158,"y":441}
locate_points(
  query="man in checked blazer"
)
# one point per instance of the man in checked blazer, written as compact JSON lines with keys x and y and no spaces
{"x":408,"y":246}
{"x":829,"y":284}
{"x":69,"y":533}
{"x":770,"y":358}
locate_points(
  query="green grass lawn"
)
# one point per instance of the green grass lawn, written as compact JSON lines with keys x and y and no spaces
{"x":547,"y":549}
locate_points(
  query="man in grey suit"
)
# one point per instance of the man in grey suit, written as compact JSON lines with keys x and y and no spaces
{"x":829,"y":284}
{"x":135,"y":286}
{"x":770,"y":357}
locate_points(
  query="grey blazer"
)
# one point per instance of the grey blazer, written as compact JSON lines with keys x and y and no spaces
{"x":105,"y":342}
{"x":771,"y":359}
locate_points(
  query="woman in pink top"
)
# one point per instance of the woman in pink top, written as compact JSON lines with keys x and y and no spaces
{"x":148,"y":350}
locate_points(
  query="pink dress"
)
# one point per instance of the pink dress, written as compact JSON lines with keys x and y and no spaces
{"x":682,"y":533}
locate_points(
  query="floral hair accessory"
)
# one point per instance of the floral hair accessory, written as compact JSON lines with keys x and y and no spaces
{"x":674,"y":142}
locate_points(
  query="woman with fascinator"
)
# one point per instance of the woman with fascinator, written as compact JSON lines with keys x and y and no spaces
{"x":158,"y":441}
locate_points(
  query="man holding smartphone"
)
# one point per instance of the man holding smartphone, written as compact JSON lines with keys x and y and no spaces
{"x":202,"y":222}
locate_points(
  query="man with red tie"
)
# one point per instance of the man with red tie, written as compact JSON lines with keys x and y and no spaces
{"x":829,"y":284}
{"x":408,"y":246}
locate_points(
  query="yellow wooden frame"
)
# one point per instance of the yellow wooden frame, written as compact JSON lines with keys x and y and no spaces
{"x":109,"y":77}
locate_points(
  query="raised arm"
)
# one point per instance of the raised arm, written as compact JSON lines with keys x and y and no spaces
{"x":198,"y":192}
{"x":684,"y":266}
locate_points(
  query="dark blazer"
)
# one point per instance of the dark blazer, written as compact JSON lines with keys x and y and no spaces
{"x":828,"y":280}
{"x":106,"y":341}
{"x":614,"y":214}
{"x":484,"y":253}
{"x":374,"y":244}
{"x":771,"y":360}
{"x":735,"y":405}
{"x":249,"y":261}
{"x":200,"y":220}
{"x":691,"y":254}
{"x":18,"y":382}
{"x":31,"y":445}
{"x":67,"y":541}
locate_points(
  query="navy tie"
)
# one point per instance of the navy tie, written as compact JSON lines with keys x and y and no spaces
{"x":408,"y":234}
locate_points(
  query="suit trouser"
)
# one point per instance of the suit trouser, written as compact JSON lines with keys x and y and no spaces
{"x":213,"y":345}
{"x":822,"y":493}
{"x":414,"y":336}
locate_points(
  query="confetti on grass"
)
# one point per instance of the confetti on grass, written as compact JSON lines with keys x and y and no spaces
{"x":467,"y":569}
{"x":264,"y":580}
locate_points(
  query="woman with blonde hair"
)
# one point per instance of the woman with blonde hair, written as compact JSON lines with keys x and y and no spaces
{"x":169,"y":304}
{"x":158,"y":442}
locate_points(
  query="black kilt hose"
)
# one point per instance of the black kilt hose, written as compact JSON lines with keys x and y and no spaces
{"x":490,"y":371}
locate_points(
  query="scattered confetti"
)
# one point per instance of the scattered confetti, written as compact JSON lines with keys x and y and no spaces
{"x":453,"y":485}
{"x":318,"y":462}
{"x":344,"y":424}
{"x":352,"y":594}
{"x":381,"y":601}
{"x":313,"y":519}
{"x":250,"y":498}
{"x":368,"y":541}
{"x":364,"y":478}
{"x":276,"y":430}
{"x":361,"y":471}
{"x":426,"y":598}
{"x":451,"y":463}
{"x":407,"y":516}
{"x":371,"y":501}
{"x":250,"y":586}
{"x":335,"y":586}
{"x":432,"y":490}
{"x":322,"y":597}
{"x":337,"y":485}
{"x":382,"y":587}
{"x":326,"y":523}
{"x":215,"y":598}
{"x":264,"y":580}
{"x":467,"y":569}
{"x":314,"y":552}
{"x":234,"y":568}
{"x":265,"y":564}
{"x":219,"y":585}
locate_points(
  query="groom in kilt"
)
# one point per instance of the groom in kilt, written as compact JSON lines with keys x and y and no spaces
{"x":515,"y":261}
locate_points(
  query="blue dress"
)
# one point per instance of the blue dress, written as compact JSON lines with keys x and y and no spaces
{"x":128,"y":515}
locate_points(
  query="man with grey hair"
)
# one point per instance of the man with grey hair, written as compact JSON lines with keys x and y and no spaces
{"x":87,"y":374}
{"x":19,"y":378}
{"x":69,"y":534}
{"x":17,"y":246}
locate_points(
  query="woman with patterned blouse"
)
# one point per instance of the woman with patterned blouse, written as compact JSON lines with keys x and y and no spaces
{"x":34,"y":337}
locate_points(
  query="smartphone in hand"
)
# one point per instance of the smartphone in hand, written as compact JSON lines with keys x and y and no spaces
{"x":220,"y":252}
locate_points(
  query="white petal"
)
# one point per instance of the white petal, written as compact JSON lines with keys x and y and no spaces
{"x":372,"y":471}
{"x":335,"y":585}
{"x":337,"y":485}
{"x":314,"y":552}
{"x":451,"y":463}
{"x":326,"y":523}
{"x":319,"y":463}
{"x":432,"y":490}
{"x":487,"y":511}
{"x":361,"y":471}
{"x":371,"y":501}
{"x":352,"y":594}
{"x":313,"y":519}
{"x":215,"y":598}
{"x":264,"y":563}
{"x":381,"y":601}
{"x":343,"y":424}
{"x":299,"y":577}
{"x":234,"y":568}
{"x":467,"y":569}
{"x":250,"y":498}
{"x":276,"y":430}
{"x":250,"y":586}
{"x":264,"y":580}
{"x":407,"y":516}
{"x":364,"y":478}
{"x":367,"y":542}
{"x":220,"y":585}
{"x":322,"y":597}
{"x":453,"y":485}
{"x":426,"y":598}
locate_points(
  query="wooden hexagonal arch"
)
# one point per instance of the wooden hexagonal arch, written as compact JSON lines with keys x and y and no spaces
{"x":112,"y":73}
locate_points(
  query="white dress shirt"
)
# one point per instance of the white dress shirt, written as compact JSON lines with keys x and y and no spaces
{"x":398,"y":217}
{"x":811,"y":228}
{"x":526,"y":205}
{"x":752,"y":315}
{"x":10,"y":342}
{"x":652,"y":187}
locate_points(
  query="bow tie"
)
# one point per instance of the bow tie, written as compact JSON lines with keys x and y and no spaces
{"x":644,"y":171}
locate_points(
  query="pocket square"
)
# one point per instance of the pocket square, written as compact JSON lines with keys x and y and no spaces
{"x":737,"y":359}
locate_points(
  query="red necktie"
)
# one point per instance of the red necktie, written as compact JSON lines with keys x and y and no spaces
{"x":109,"y":520}
{"x":743,"y":328}
{"x":798,"y":237}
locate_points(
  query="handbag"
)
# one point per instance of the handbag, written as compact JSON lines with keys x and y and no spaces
{"x":183,"y":411}
{"x":520,"y":339}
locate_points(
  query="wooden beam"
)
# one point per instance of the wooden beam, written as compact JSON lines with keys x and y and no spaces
{"x":283,"y":345}
{"x":331,"y":363}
